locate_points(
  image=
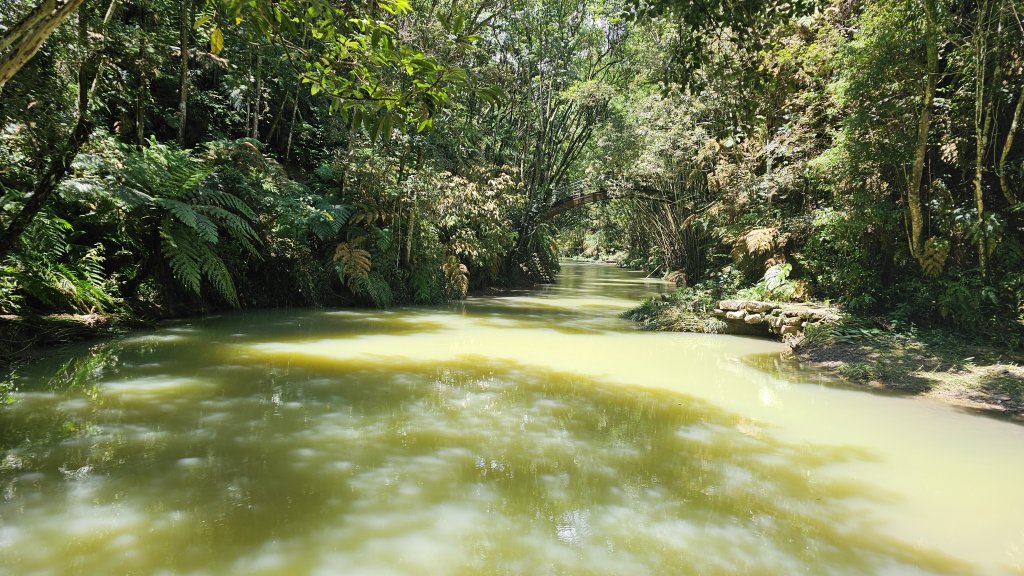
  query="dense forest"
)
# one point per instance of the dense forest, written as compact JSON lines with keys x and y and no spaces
{"x":159,"y":158}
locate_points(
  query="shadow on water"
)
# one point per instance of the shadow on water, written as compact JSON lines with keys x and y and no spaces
{"x":291,"y":468}
{"x":1006,"y":386}
{"x":781,"y":366}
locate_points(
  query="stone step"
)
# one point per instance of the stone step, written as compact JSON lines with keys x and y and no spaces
{"x":781,"y":319}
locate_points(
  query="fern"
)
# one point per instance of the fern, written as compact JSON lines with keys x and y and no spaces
{"x":384,"y":240}
{"x":217,"y":274}
{"x":182,"y":256}
{"x":936,"y":251}
{"x":234,"y":225}
{"x":192,"y":213}
{"x":426,"y":284}
{"x":191,"y":259}
{"x":327,"y":219}
{"x":213,"y":197}
{"x":50,"y":273}
{"x":374,"y":287}
{"x":540,"y":261}
{"x":456,"y":278}
{"x":353,"y":261}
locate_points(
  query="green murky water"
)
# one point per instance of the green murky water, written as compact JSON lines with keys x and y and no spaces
{"x":532,"y":434}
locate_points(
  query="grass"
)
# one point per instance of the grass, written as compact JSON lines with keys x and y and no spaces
{"x":684,"y":310}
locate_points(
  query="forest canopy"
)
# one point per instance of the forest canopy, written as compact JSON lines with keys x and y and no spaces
{"x":162,"y":157}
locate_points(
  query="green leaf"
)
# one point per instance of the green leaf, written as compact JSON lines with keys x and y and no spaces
{"x":386,"y":127}
{"x":216,"y":41}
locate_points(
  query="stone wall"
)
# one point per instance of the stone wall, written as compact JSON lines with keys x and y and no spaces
{"x":754,"y":317}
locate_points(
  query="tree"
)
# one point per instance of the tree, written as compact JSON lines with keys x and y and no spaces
{"x":22,"y":40}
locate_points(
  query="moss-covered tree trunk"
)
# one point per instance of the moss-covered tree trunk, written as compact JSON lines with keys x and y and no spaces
{"x":24,"y":39}
{"x":184,"y":27}
{"x":914,"y":200}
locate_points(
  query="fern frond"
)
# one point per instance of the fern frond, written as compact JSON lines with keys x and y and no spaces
{"x":185,"y":213}
{"x":321,"y":227}
{"x":384,"y":240}
{"x":182,"y":256}
{"x":327,"y":219}
{"x":427,"y":285}
{"x":236,"y":226}
{"x":936,"y":251}
{"x":354,"y":262}
{"x":339,"y":212}
{"x":374,"y":287}
{"x":456,"y":278}
{"x":217,"y":273}
{"x":223,"y":199}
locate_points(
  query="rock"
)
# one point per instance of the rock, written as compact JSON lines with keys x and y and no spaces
{"x":753,"y":319}
{"x":758,"y":307}
{"x":790,"y":330}
{"x":735,"y":315}
{"x":793,"y":321}
{"x":779,"y":322}
{"x":732,"y":304}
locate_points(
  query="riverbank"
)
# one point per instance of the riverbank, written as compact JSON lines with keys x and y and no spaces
{"x":933,"y":363}
{"x":861,"y":352}
{"x":25,"y":338}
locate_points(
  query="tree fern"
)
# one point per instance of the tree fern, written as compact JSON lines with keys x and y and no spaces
{"x":213,"y":197}
{"x":217,"y":274}
{"x":182,"y":254}
{"x":236,"y":227}
{"x":193,"y":214}
{"x":191,"y":259}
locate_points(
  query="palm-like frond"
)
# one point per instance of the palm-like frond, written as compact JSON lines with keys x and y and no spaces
{"x":191,"y":259}
{"x":193,"y":215}
{"x":353,"y":261}
{"x":374,"y":287}
{"x":327,"y":219}
{"x":456,"y":278}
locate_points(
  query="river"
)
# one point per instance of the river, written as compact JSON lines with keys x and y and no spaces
{"x":534,"y":433}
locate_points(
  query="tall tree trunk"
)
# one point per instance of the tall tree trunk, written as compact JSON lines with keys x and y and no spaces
{"x":26,"y":37}
{"x":275,"y":124}
{"x":291,"y":127}
{"x":254,"y":130}
{"x":185,"y":27}
{"x":982,"y":124}
{"x":923,"y":126}
{"x":1004,"y":181}
{"x":100,"y":59}
{"x":142,"y":88}
{"x":295,"y":112}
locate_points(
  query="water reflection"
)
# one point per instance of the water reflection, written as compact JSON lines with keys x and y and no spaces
{"x":426,"y":469}
{"x":523,"y":435}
